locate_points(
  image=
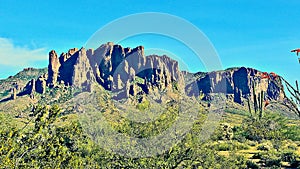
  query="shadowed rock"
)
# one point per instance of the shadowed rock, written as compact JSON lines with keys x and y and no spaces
{"x":40,"y":85}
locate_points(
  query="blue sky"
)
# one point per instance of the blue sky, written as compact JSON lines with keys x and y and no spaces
{"x":251,"y":33}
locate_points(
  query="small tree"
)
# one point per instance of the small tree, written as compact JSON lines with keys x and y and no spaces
{"x":43,"y":143}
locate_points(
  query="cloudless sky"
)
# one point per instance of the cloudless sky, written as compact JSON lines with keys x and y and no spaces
{"x":251,"y":33}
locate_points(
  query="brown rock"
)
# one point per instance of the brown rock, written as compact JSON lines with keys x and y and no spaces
{"x":235,"y":81}
{"x":40,"y":85}
{"x":53,"y":68}
{"x":72,"y":51}
{"x":83,"y":75}
{"x":14,"y":94}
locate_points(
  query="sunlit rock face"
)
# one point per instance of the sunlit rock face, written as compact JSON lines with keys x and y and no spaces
{"x":115,"y":68}
{"x":237,"y":82}
{"x":128,"y":72}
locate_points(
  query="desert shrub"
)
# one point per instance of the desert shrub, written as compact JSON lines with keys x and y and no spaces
{"x":291,"y":157}
{"x":223,"y":132}
{"x":257,"y":155}
{"x":241,"y":146}
{"x":145,"y":104}
{"x":268,"y":158}
{"x":45,"y":144}
{"x":251,"y":143}
{"x":265,"y":146}
{"x":292,"y":147}
{"x":235,"y":161}
{"x":295,"y":164}
{"x":252,"y":165}
{"x":231,"y":146}
{"x":269,"y":127}
{"x":227,"y":131}
{"x":274,"y":158}
{"x":292,"y":132}
{"x":289,"y":145}
{"x":271,"y":159}
{"x":224,"y":147}
{"x":239,"y":134}
{"x":272,"y":162}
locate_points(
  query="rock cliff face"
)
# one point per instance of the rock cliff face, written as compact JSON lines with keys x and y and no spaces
{"x":53,"y":68}
{"x":127,"y":71}
{"x":40,"y":85}
{"x":237,"y":83}
{"x":115,"y":68}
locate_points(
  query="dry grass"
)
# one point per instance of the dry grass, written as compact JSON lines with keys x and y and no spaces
{"x":233,"y":119}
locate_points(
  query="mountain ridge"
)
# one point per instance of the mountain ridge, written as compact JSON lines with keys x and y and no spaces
{"x":117,"y":69}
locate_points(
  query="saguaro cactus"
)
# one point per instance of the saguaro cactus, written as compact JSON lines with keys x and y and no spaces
{"x":257,"y":103}
{"x":260,"y":103}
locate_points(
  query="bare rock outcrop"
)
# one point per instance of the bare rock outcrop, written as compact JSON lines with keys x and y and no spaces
{"x":237,"y":82}
{"x":29,"y":89}
{"x":53,"y":68}
{"x":83,"y":75}
{"x":14,"y":94}
{"x":128,"y":72}
{"x":115,"y":68}
{"x":41,"y":84}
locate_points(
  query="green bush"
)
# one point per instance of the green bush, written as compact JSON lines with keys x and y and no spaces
{"x":44,"y":144}
{"x":271,"y":159}
{"x":265,"y":146}
{"x":252,"y":165}
{"x":257,"y":155}
{"x":224,"y":147}
{"x":145,"y":104}
{"x":224,"y":132}
{"x":293,"y":132}
{"x":251,"y":143}
{"x":61,"y":143}
{"x":291,"y":157}
{"x":292,"y":147}
{"x":272,"y":162}
{"x":271,"y":126}
{"x":231,"y":146}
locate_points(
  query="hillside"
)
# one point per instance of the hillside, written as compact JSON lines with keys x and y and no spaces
{"x":19,"y":80}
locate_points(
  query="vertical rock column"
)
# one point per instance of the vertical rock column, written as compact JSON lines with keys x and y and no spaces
{"x":53,"y":68}
{"x":14,"y":94}
{"x":83,"y":75}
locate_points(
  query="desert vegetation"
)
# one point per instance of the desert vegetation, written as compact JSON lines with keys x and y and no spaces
{"x":48,"y":138}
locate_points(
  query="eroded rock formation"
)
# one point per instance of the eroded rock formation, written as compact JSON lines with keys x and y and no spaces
{"x":53,"y":68}
{"x":115,"y":68}
{"x":127,"y":71}
{"x":237,"y":82}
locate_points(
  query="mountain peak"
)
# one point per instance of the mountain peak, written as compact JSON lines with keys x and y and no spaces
{"x":128,"y":72}
{"x":114,"y":68}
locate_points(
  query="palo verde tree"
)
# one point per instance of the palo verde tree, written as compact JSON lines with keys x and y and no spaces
{"x":42,"y":143}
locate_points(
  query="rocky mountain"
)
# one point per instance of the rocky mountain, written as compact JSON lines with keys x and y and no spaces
{"x":111,"y":66}
{"x":15,"y":84}
{"x":128,"y":72}
{"x":236,"y":83}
